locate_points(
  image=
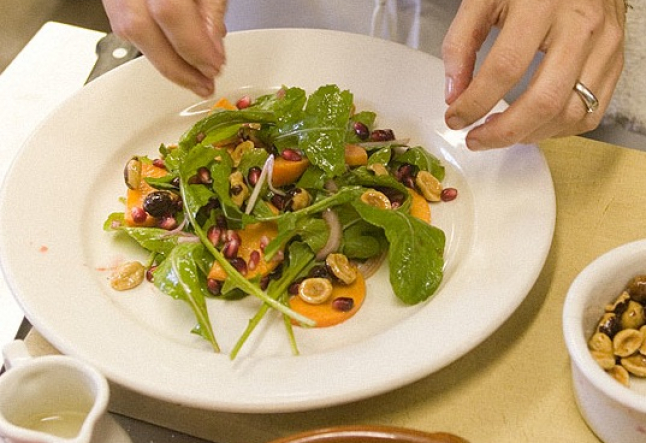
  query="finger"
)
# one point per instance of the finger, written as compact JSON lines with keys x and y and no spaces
{"x":546,"y":97}
{"x":600,"y":74}
{"x":183,"y":26}
{"x":464,"y":38}
{"x":503,"y":67}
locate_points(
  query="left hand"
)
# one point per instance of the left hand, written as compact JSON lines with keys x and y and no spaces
{"x":183,"y":39}
{"x":582,"y":41}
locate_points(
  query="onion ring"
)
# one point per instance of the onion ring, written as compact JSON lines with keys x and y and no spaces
{"x":334,"y":238}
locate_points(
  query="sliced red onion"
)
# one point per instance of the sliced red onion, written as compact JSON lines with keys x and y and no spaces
{"x":177,"y":230}
{"x":266,"y":170}
{"x":370,"y":266}
{"x":334,"y":238}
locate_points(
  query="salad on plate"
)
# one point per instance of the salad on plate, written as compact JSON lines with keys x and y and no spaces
{"x":291,"y":198}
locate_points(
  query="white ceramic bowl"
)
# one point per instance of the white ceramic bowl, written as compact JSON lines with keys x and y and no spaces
{"x":615,"y":413}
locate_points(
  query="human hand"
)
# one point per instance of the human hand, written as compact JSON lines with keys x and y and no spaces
{"x":183,"y":39}
{"x":582,"y":40}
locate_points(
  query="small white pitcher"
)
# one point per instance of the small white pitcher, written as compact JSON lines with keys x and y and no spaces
{"x":49,"y":399}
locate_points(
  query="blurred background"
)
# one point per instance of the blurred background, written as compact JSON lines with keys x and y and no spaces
{"x":21,"y":19}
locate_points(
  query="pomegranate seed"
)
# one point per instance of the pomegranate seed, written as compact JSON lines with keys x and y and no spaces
{"x":254,"y":259}
{"x":343,"y":304}
{"x":293,"y":288}
{"x":278,"y":201}
{"x":168,"y":223}
{"x":239,"y":264}
{"x":448,"y":194}
{"x":213,"y":234}
{"x":409,"y":182}
{"x":361,"y":130}
{"x":292,"y":155}
{"x":158,"y":162}
{"x":231,"y":244}
{"x":254,"y":175}
{"x":382,"y":135}
{"x":243,"y":102}
{"x":204,"y":175}
{"x":149,"y":273}
{"x":138,"y":214}
{"x":214,"y":286}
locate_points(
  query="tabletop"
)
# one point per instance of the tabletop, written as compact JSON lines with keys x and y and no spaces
{"x":515,"y":386}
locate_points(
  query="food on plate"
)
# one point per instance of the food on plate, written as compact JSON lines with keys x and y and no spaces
{"x":289,"y":198}
{"x":618,"y":343}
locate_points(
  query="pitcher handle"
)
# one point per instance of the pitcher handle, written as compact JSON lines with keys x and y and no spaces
{"x":15,"y":354}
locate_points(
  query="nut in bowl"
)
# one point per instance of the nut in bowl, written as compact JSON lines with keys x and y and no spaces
{"x":614,"y":410}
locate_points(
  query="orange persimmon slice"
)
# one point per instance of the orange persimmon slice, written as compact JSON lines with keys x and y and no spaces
{"x":225,"y":104}
{"x":286,"y":172}
{"x":419,"y":206}
{"x":251,"y":239}
{"x":325,"y":314}
{"x":135,"y":197}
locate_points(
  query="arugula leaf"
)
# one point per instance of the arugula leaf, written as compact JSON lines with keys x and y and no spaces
{"x":218,"y":121}
{"x":178,"y":276}
{"x":300,"y":259}
{"x":415,"y":253}
{"x":153,"y":239}
{"x":424,"y":160}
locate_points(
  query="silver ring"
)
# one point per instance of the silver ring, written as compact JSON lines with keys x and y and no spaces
{"x":589,"y":99}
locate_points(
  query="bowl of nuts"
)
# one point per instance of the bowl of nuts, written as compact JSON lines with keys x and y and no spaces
{"x":604,"y":326}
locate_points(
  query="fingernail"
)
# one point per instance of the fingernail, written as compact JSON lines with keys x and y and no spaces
{"x":456,"y":122}
{"x":203,"y":90}
{"x":449,"y":90}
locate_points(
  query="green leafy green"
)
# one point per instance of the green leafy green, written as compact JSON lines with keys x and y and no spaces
{"x":179,"y":277}
{"x":415,"y":247}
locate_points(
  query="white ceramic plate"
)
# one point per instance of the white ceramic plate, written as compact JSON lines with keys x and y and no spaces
{"x":68,"y":178}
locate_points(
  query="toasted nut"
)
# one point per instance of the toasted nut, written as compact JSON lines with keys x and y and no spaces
{"x":238,"y":188}
{"x":633,"y":317}
{"x":127,"y":276}
{"x":620,"y":374}
{"x":300,"y":199}
{"x":378,"y":169}
{"x":627,"y":342}
{"x":132,"y":173}
{"x":604,"y":359}
{"x":429,"y":186}
{"x":341,"y":267}
{"x":600,"y":342}
{"x":377,"y":199}
{"x":635,"y":364}
{"x":240,"y":151}
{"x":609,"y":324}
{"x":637,"y":289}
{"x":315,"y":290}
{"x":642,"y":348}
{"x":620,"y":304}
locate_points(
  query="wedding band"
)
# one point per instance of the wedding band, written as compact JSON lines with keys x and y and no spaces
{"x":589,"y":99}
